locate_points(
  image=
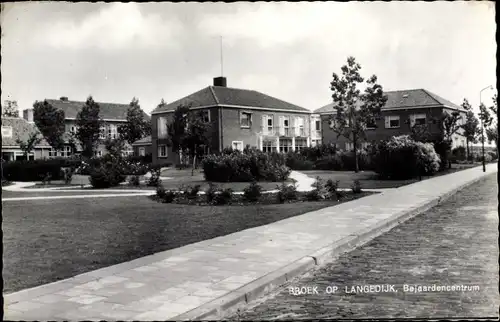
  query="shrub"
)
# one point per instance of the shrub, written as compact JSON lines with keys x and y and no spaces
{"x":313,"y":195}
{"x":356,"y":186}
{"x":402,"y":158}
{"x":296,"y":161}
{"x":164,"y":195}
{"x":252,"y":165}
{"x":459,"y":153}
{"x":332,"y":186}
{"x":105,"y":176}
{"x":46,"y":178}
{"x":223,"y":197}
{"x":68,"y":174}
{"x":252,"y":192}
{"x":154,"y":180}
{"x":487,"y":158}
{"x":331,"y":162}
{"x":191,"y":192}
{"x":286,"y":192}
{"x":211,"y":192}
{"x":34,"y":170}
{"x":493,"y":155}
{"x":134,"y":180}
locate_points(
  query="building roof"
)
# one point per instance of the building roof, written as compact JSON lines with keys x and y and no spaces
{"x":21,"y":130}
{"x":108,"y":111}
{"x":406,"y":99}
{"x":227,"y":96}
{"x":144,"y":141}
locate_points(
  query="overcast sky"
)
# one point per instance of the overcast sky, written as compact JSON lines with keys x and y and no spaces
{"x":288,"y":50}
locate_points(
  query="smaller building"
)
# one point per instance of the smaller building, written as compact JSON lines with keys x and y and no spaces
{"x":143,"y":147}
{"x":14,"y":129}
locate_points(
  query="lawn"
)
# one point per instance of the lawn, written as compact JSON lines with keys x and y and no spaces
{"x":49,"y":240}
{"x":369,"y":179}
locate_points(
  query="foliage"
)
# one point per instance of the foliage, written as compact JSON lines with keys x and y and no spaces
{"x":68,"y":174}
{"x":470,"y":127}
{"x":46,"y":178}
{"x":136,"y":127}
{"x":29,"y":145}
{"x":332,"y":186}
{"x":32,"y":170}
{"x":355,"y":110}
{"x":344,"y":161}
{"x":154,"y":180}
{"x":402,"y":158}
{"x":164,"y":195}
{"x":191,"y":192}
{"x":134,"y":180}
{"x":50,"y":122}
{"x":88,"y":127}
{"x":218,"y":196}
{"x":316,"y":152}
{"x":10,"y":109}
{"x":320,"y":191}
{"x":108,"y":172}
{"x":210,"y":192}
{"x":459,"y":153}
{"x":251,"y":165}
{"x":298,"y":161}
{"x":252,"y":192}
{"x":286,"y":192}
{"x":356,"y":186}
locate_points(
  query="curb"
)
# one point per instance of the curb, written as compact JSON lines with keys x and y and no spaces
{"x":239,"y":298}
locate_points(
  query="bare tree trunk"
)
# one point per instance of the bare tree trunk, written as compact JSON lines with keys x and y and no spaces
{"x":355,"y":145}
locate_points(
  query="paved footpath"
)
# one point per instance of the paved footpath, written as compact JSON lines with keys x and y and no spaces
{"x":454,"y":243}
{"x":202,"y":279}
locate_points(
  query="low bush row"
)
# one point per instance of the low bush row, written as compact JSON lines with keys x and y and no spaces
{"x":36,"y":170}
{"x":215,"y":195}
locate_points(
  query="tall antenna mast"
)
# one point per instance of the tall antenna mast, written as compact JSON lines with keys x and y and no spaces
{"x":221,"y":59}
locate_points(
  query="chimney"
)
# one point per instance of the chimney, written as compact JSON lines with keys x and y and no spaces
{"x":28,"y":115}
{"x":64,"y":98}
{"x":220,"y":81}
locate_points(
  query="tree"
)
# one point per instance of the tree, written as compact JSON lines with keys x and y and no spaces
{"x":492,"y":132}
{"x":355,"y":110}
{"x":50,"y":122}
{"x":176,"y":129}
{"x":136,"y":127}
{"x":449,"y":125}
{"x":29,"y":145}
{"x":470,"y":127}
{"x":88,"y":127}
{"x":196,"y":136}
{"x":10,"y":109}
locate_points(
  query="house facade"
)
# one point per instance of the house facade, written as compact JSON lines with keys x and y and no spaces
{"x":238,"y":118}
{"x":17,"y":128}
{"x":403,"y":110}
{"x":112,"y":115}
{"x":143,"y":147}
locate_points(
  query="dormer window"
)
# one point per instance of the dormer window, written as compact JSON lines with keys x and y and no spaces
{"x":7,"y":131}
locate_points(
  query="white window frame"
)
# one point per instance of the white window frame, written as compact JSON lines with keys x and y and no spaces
{"x":235,"y":145}
{"x":206,"y":116}
{"x":349,"y":146}
{"x":414,"y":117}
{"x":102,"y":132}
{"x":161,"y":124}
{"x":285,"y":130}
{"x":6,"y":131}
{"x":372,"y":127}
{"x":301,"y":146}
{"x":390,"y":118}
{"x":285,"y":148}
{"x":142,"y":151}
{"x":266,"y":128}
{"x":160,"y":154}
{"x":269,"y":147}
{"x":300,"y":127}
{"x":317,"y":125}
{"x":249,"y":115}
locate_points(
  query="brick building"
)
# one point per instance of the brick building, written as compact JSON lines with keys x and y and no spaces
{"x":239,"y":117}
{"x":402,"y":110}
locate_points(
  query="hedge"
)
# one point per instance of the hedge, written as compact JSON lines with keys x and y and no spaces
{"x":36,"y":170}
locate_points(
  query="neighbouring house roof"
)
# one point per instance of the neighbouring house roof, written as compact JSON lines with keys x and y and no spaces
{"x":21,"y":130}
{"x":144,"y":141}
{"x":227,"y":96}
{"x":406,"y":99}
{"x":108,"y":111}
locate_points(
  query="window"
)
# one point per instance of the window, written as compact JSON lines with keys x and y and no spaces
{"x":417,"y":119}
{"x":317,"y":125}
{"x":299,"y":126}
{"x":267,"y":124}
{"x":102,"y":133}
{"x":162,"y":151}
{"x":112,"y":131}
{"x":206,"y":116}
{"x":65,"y":152}
{"x":98,"y":153}
{"x":285,"y":145}
{"x":316,"y":142}
{"x":73,"y":130}
{"x":285,"y":126}
{"x":245,"y":119}
{"x":269,"y":145}
{"x":142,"y":151}
{"x":349,"y":146}
{"x":392,"y":122}
{"x":300,"y":144}
{"x":371,"y":123}
{"x":237,"y":145}
{"x":7,"y":131}
{"x":162,"y":126}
